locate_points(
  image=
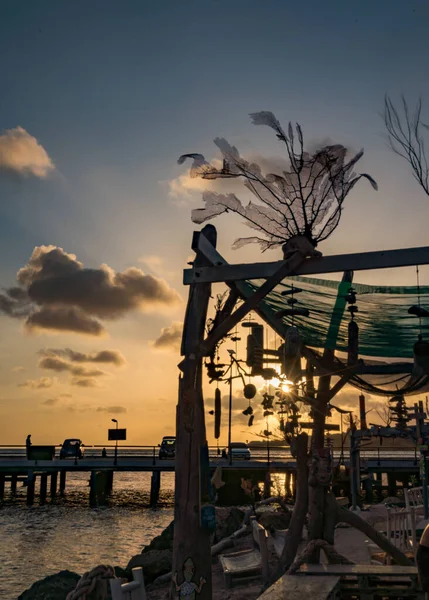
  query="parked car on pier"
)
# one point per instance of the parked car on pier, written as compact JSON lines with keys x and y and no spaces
{"x":239,"y":451}
{"x":167,"y":448}
{"x":72,"y":448}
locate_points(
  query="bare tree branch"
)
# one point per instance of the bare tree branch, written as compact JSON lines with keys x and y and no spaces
{"x":406,"y":139}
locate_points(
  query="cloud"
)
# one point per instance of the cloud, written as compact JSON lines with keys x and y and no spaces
{"x":57,"y":293}
{"x":113,"y":410}
{"x":103,"y":356}
{"x":152,"y":261}
{"x":55,"y":363}
{"x":22,"y":154}
{"x":51,"y":401}
{"x":170,"y":338}
{"x":18,"y":369}
{"x":36,"y":384}
{"x":86,"y":383}
{"x":63,"y":319}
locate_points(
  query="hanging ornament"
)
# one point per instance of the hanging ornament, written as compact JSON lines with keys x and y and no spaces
{"x":421,"y":357}
{"x":248,"y":411}
{"x":249,"y":391}
{"x":250,"y":423}
{"x":291,"y":359}
{"x":267,"y":401}
{"x":217,"y":413}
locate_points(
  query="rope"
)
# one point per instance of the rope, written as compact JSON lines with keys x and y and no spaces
{"x":96,"y":579}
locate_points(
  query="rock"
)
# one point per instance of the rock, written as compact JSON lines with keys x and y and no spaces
{"x":228,"y":520}
{"x":274,"y":520}
{"x":53,"y":587}
{"x":153,"y":562}
{"x":163,"y":541}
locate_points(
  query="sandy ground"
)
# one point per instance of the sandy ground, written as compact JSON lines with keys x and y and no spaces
{"x":348,"y":541}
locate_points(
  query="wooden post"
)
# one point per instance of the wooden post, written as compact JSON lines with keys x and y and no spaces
{"x":155,"y":484}
{"x":191,"y":540}
{"x":43,"y":487}
{"x":391,"y":484}
{"x":53,"y":488}
{"x":317,"y":492}
{"x":367,"y":485}
{"x":287,"y":484}
{"x":31,"y":483}
{"x":110,"y":481}
{"x":13,"y":482}
{"x":294,"y":532}
{"x":267,"y":485}
{"x":93,"y":489}
{"x":63,"y":475}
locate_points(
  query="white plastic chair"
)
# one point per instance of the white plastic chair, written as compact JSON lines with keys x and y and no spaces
{"x":134,"y":590}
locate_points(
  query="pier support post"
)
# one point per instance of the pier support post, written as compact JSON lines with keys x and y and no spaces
{"x":391,"y":484}
{"x":63,"y":482}
{"x":13,"y":482}
{"x":267,"y":485}
{"x":2,"y":478}
{"x":31,"y":483}
{"x":155,"y":485}
{"x":109,"y":484}
{"x":379,"y":488}
{"x":287,"y":484}
{"x":43,"y":487}
{"x":93,"y":489}
{"x":367,"y":485}
{"x":53,"y":487}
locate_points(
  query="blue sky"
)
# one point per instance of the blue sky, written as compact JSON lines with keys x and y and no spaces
{"x":116,"y":91}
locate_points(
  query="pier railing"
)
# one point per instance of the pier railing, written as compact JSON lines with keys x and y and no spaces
{"x":18,"y":451}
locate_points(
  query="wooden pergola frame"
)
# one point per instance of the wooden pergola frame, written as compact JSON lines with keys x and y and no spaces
{"x":191,"y":538}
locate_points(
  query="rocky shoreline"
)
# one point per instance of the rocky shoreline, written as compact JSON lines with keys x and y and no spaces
{"x":155,"y":559}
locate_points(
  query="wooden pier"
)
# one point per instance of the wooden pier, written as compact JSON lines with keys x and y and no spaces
{"x":101,"y":474}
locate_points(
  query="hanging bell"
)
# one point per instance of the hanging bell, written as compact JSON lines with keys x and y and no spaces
{"x":248,"y":411}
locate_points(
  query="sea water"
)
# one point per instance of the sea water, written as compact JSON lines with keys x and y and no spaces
{"x":36,"y":541}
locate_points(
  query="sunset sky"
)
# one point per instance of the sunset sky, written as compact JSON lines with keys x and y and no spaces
{"x":98,"y":100}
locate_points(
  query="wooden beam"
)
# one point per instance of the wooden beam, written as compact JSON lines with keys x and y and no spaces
{"x":360,"y":261}
{"x":252,"y":301}
{"x":329,"y":427}
{"x":342,"y":382}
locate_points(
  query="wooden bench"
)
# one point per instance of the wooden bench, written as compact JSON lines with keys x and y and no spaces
{"x":134,"y":590}
{"x":247,"y":564}
{"x":278,"y":539}
{"x":368,"y":581}
{"x":297,"y":587}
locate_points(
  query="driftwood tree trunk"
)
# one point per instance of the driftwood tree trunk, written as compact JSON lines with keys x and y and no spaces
{"x":190,"y":539}
{"x":316,"y":492}
{"x":294,"y":533}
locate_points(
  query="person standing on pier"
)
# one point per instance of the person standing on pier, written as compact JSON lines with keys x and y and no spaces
{"x":28,"y":444}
